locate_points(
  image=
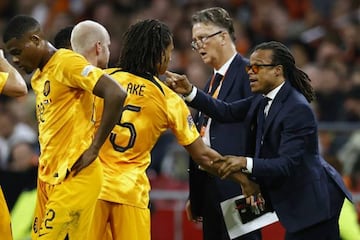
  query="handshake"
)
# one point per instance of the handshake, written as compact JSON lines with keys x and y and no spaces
{"x":234,"y":167}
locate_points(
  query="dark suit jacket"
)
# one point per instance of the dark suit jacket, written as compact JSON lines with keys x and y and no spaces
{"x":235,"y":86}
{"x":293,"y":176}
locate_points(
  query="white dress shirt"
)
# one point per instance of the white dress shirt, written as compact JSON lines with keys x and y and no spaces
{"x":271,"y":95}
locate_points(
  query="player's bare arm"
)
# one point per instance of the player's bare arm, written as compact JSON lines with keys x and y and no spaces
{"x":15,"y":85}
{"x":114,"y":97}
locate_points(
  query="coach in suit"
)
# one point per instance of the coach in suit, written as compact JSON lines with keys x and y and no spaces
{"x":282,"y":144}
{"x":213,"y":38}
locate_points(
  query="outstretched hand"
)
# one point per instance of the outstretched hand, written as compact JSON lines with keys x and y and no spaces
{"x":230,"y":164}
{"x":178,"y":83}
{"x":230,"y":167}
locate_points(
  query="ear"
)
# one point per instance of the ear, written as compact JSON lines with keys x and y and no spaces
{"x":35,"y":39}
{"x":98,"y":47}
{"x":279,"y":70}
{"x":223,"y":36}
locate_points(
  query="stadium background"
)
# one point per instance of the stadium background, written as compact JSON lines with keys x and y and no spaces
{"x":322,"y":34}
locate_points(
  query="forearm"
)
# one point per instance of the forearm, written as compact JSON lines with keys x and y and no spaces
{"x":114,"y":97}
{"x":110,"y":116}
{"x":205,"y":161}
{"x":239,"y":177}
{"x":248,"y":186}
{"x":15,"y":85}
{"x":204,"y":156}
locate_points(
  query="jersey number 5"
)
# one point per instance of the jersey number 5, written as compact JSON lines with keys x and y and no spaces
{"x":127,"y":125}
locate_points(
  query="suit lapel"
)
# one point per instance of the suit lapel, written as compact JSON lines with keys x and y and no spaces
{"x":251,"y":117}
{"x":276,"y":105}
{"x":230,"y":76}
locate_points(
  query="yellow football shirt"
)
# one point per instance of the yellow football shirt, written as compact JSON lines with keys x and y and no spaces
{"x":64,"y":109}
{"x":5,"y":228}
{"x":150,"y":109}
{"x":3,"y":78}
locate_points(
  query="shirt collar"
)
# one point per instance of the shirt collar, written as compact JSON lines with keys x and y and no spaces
{"x":225,"y":67}
{"x":272,"y":94}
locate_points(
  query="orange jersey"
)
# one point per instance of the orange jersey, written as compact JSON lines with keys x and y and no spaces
{"x":150,"y":109}
{"x":64,"y":109}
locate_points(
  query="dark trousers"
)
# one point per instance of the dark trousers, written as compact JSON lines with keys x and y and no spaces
{"x":214,"y":227}
{"x":329,"y":229}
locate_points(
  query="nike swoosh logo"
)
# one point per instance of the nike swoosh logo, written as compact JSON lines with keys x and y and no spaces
{"x":40,"y":235}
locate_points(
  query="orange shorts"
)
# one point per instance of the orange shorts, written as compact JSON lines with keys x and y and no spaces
{"x":119,"y":221}
{"x":65,"y":210}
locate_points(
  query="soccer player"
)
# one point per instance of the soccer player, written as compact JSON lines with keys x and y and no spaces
{"x":62,"y":38}
{"x":150,"y":109}
{"x":70,"y":174}
{"x":11,"y":84}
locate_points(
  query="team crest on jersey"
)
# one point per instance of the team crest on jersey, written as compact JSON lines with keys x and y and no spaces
{"x":190,"y":121}
{"x":46,"y":88}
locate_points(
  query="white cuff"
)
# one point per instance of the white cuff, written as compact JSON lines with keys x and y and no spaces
{"x":191,"y":95}
{"x":249,"y":164}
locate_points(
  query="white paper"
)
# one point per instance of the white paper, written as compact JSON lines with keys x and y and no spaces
{"x":233,"y":222}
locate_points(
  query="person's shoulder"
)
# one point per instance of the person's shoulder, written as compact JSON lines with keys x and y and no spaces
{"x":64,"y":52}
{"x":66,"y":55}
{"x":241,"y":59}
{"x":298,"y":97}
{"x":112,"y":71}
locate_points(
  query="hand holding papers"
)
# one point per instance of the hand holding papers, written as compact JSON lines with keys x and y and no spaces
{"x":241,"y":217}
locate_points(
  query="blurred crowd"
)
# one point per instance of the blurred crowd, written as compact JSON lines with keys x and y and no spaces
{"x":323,"y":35}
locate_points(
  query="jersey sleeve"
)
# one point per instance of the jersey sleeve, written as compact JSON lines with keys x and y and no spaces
{"x":3,"y":78}
{"x":78,"y":72}
{"x":181,"y":121}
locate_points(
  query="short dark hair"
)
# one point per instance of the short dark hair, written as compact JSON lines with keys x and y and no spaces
{"x":18,"y":26}
{"x":217,"y":16}
{"x":62,"y":38}
{"x":145,"y":43}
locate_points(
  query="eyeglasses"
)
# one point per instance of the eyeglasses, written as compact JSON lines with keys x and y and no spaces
{"x":195,"y":44}
{"x":256,"y":67}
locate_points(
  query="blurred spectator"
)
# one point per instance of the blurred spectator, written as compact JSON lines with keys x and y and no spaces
{"x":350,"y":152}
{"x":348,"y":221}
{"x":175,"y":163}
{"x":22,"y":197}
{"x":352,"y":104}
{"x":12,"y":131}
{"x":21,"y":173}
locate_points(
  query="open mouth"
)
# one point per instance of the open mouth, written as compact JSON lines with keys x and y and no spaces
{"x":202,"y":53}
{"x":253,"y":81}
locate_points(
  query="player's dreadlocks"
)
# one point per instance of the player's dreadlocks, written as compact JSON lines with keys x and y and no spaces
{"x":144,"y":47}
{"x":282,"y":56}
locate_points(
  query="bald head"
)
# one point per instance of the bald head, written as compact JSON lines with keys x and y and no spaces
{"x":86,"y":34}
{"x":91,"y":40}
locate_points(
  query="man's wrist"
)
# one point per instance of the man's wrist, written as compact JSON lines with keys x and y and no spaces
{"x":249,"y":164}
{"x":191,"y":95}
{"x":187,"y":94}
